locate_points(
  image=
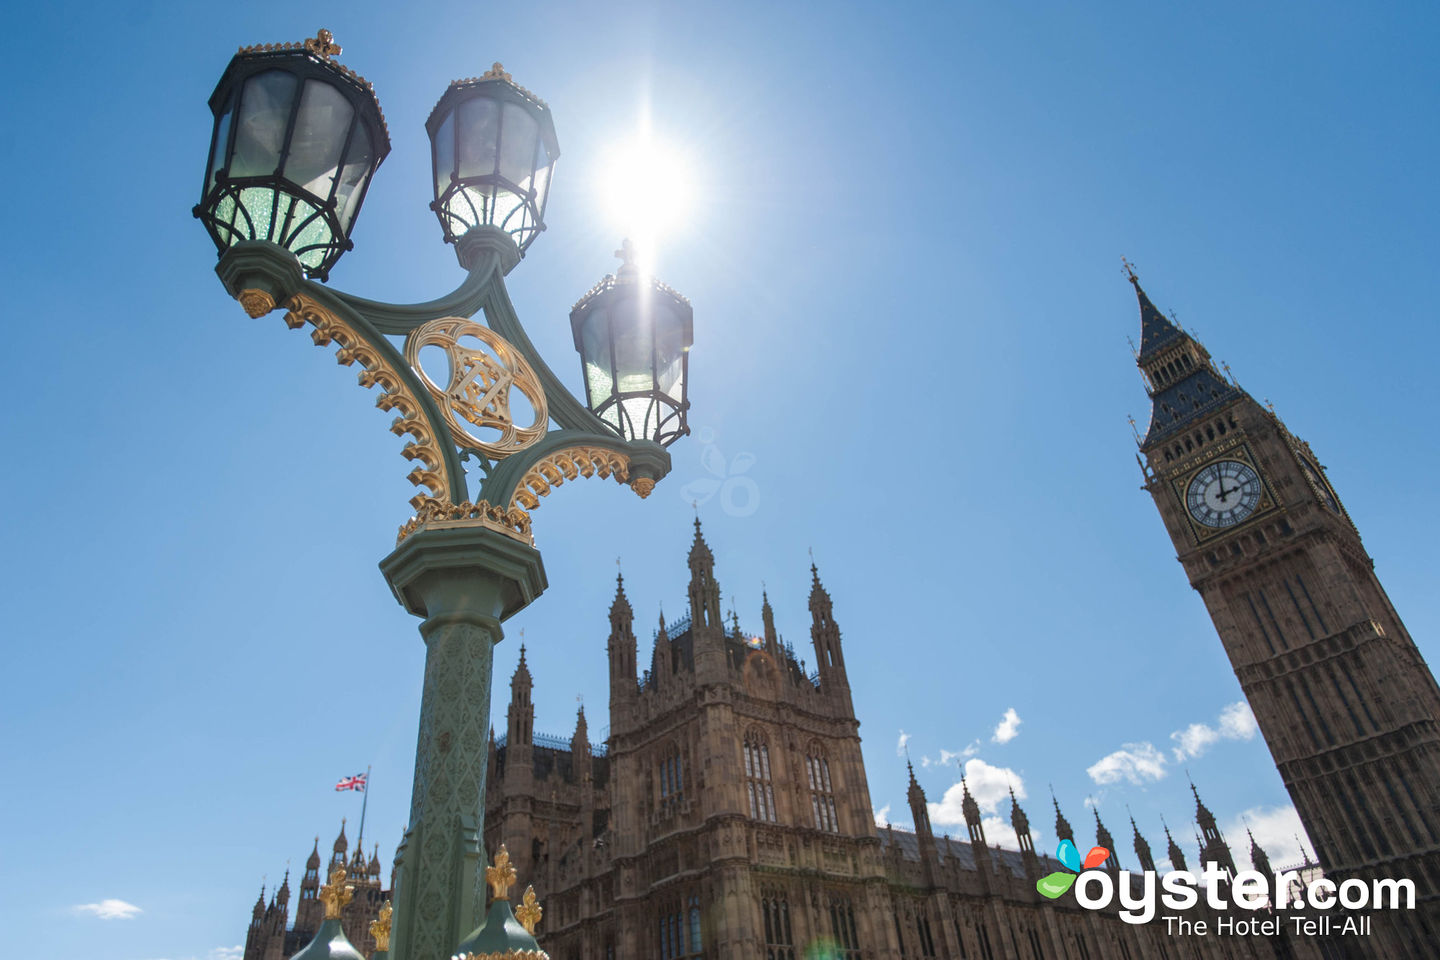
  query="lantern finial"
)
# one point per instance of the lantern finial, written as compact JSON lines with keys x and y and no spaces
{"x":496,"y":72}
{"x":323,"y":45}
{"x":627,"y":256}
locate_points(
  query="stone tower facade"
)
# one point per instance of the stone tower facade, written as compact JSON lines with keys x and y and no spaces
{"x":729,"y":817}
{"x":1347,"y":705}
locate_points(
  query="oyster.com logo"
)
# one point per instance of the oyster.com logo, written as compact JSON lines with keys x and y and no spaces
{"x":1055,"y":885}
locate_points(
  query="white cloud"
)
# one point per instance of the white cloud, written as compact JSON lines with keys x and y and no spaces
{"x":1008,"y":728}
{"x":108,"y":909}
{"x":902,"y":744}
{"x":988,"y":785}
{"x":1135,"y":762}
{"x":1275,"y":829}
{"x":226,"y":953}
{"x":1236,"y":722}
{"x":946,"y":756}
{"x":882,"y":816}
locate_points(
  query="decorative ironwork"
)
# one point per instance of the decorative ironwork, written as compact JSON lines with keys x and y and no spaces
{"x":380,"y":927}
{"x":329,"y":327}
{"x":323,"y":45}
{"x":336,"y":894}
{"x":500,"y":875}
{"x":429,"y":510}
{"x":479,"y":385}
{"x":568,"y":464}
{"x":529,"y":912}
{"x":257,"y":303}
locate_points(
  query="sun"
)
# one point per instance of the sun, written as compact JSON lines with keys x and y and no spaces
{"x":647,"y":191}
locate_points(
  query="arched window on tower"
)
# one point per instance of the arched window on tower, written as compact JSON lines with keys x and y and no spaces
{"x":672,"y":781}
{"x":757,"y":777}
{"x":679,"y":929}
{"x":822,"y":795}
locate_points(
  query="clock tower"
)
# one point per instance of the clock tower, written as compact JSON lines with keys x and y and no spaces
{"x":1347,"y":705}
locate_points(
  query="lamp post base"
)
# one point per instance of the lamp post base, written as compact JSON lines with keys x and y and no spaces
{"x":464,"y":579}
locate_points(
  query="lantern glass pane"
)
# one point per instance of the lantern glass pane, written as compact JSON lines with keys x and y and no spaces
{"x":517,"y":145}
{"x":632,"y":335}
{"x":320,"y":131}
{"x":479,"y":131}
{"x":222,"y":144}
{"x":353,"y":176}
{"x":444,"y":149}
{"x":670,"y":356}
{"x":599,"y":381}
{"x":264,"y":115}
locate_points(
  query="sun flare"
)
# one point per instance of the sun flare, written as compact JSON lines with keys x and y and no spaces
{"x":647,"y":191}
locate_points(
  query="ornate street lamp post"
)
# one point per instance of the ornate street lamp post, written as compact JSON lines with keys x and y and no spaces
{"x":296,"y":140}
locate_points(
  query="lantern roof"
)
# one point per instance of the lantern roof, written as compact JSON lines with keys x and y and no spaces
{"x":318,"y":50}
{"x":495,"y":75}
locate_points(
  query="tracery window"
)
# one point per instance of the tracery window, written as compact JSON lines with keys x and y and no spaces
{"x":672,"y":781}
{"x":842,"y":927}
{"x":822,"y":795}
{"x":779,"y":941}
{"x":757,"y":777}
{"x":679,"y":929}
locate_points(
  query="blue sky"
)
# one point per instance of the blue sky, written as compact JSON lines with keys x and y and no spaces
{"x":910,"y":355}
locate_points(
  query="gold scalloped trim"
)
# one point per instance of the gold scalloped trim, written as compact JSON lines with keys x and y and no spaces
{"x":395,"y":396}
{"x":513,"y":523}
{"x":507,"y":955}
{"x":568,"y":464}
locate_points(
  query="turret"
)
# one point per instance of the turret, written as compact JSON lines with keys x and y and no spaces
{"x":825,"y":634}
{"x":1213,"y":848}
{"x":1142,"y":848}
{"x":924,"y":834}
{"x":1173,"y":851}
{"x":621,"y":645}
{"x":1103,"y":839}
{"x":767,"y":617}
{"x":307,"y":911}
{"x":1062,"y":826}
{"x":1021,"y":824}
{"x":580,"y":748}
{"x":520,"y":722}
{"x":662,"y":663}
{"x":1258,"y":859}
{"x":337,"y":852}
{"x":704,"y":590}
{"x":971,"y":810}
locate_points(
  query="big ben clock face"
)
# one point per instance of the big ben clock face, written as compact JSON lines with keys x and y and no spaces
{"x":1223,"y":494}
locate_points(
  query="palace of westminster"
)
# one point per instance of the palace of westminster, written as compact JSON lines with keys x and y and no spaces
{"x":728,"y":814}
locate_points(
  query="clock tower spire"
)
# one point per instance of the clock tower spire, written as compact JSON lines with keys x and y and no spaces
{"x":1348,"y":707}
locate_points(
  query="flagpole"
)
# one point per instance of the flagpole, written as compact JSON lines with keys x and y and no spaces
{"x":360,"y":838}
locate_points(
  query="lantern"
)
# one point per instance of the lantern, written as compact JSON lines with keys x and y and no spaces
{"x":634,"y":335}
{"x":493,"y":146}
{"x":296,"y":140}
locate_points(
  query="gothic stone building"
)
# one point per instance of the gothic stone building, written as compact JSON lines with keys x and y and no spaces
{"x":729,"y":816}
{"x":270,"y":938}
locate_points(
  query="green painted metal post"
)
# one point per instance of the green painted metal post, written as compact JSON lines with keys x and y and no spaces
{"x":464,"y":578}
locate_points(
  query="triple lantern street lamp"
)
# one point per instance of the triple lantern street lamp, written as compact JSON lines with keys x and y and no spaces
{"x":297,"y":140}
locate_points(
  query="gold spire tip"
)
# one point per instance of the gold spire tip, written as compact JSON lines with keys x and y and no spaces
{"x":323,"y":44}
{"x":501,"y":875}
{"x":496,"y":72}
{"x":380,"y":927}
{"x":529,"y":912}
{"x":336,"y":894}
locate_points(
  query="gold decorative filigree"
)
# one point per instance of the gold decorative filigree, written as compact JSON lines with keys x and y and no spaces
{"x":479,"y":385}
{"x":513,"y":522}
{"x":496,"y":72}
{"x":323,"y":45}
{"x":336,"y":894}
{"x":329,"y":327}
{"x":257,"y":303}
{"x":380,"y":927}
{"x":570,"y":463}
{"x":500,"y":875}
{"x":529,"y":912}
{"x":507,"y":955}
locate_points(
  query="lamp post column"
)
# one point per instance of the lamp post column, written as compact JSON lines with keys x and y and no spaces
{"x":464,"y":577}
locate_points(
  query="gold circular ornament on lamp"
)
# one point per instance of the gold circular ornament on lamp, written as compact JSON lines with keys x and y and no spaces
{"x":479,"y":380}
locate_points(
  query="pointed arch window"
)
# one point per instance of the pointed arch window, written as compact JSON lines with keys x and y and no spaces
{"x":779,"y":940}
{"x":822,"y":794}
{"x":679,"y":929}
{"x":842,"y":926}
{"x":672,"y":780}
{"x":758,"y":786}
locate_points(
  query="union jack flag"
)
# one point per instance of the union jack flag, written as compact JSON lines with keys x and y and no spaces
{"x":356,"y":782}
